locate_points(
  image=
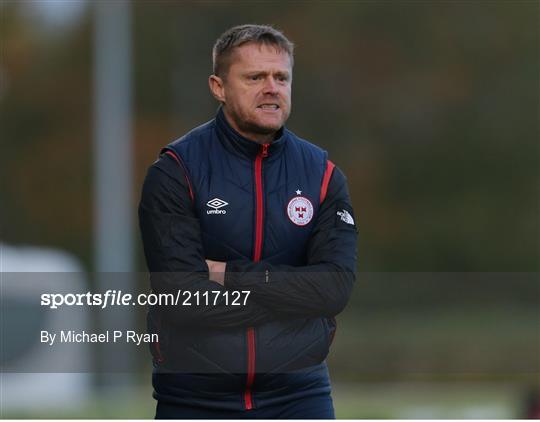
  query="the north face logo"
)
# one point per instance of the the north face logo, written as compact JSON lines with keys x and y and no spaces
{"x":346,"y":217}
{"x":216,"y":204}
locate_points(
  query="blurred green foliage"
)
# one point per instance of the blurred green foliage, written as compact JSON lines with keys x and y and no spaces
{"x":430,"y":108}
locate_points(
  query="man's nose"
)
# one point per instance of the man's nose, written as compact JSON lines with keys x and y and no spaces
{"x":270,"y":86}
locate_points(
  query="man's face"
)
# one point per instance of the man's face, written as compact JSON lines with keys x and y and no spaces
{"x":256,"y":90}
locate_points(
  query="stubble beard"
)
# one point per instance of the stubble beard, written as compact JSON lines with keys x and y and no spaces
{"x":249,"y":126}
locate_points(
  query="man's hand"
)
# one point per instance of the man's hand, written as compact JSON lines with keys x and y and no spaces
{"x":216,"y":270}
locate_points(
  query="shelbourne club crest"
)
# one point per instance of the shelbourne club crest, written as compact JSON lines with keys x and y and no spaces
{"x":300,"y":210}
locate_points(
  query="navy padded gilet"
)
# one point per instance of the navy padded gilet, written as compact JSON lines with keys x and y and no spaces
{"x":221,"y":168}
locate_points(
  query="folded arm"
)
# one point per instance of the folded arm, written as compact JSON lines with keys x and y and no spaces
{"x":323,"y":286}
{"x":174,"y":253}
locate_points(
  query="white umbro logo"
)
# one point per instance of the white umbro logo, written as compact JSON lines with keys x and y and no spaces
{"x":216,"y":204}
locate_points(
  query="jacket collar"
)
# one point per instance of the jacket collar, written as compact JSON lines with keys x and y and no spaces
{"x":243,"y":146}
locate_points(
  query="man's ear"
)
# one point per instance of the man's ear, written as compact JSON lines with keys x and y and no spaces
{"x":216,"y":88}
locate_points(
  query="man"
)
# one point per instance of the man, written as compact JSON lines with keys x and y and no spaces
{"x":242,"y":206}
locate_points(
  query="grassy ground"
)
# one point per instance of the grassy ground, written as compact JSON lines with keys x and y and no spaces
{"x":368,"y":400}
{"x":427,"y":400}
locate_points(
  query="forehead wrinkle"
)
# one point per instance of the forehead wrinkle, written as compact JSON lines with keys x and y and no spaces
{"x":245,"y":55}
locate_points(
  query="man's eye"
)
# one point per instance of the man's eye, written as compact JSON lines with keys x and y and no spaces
{"x":255,"y":78}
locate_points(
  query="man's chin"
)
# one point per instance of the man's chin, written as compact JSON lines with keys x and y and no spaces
{"x":266,"y":128}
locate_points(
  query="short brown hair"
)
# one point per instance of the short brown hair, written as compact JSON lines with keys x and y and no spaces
{"x":242,"y":34}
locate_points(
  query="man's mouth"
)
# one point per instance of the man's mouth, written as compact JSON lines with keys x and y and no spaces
{"x":268,"y":106}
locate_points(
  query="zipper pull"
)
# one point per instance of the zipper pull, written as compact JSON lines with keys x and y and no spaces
{"x":264,"y":151}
